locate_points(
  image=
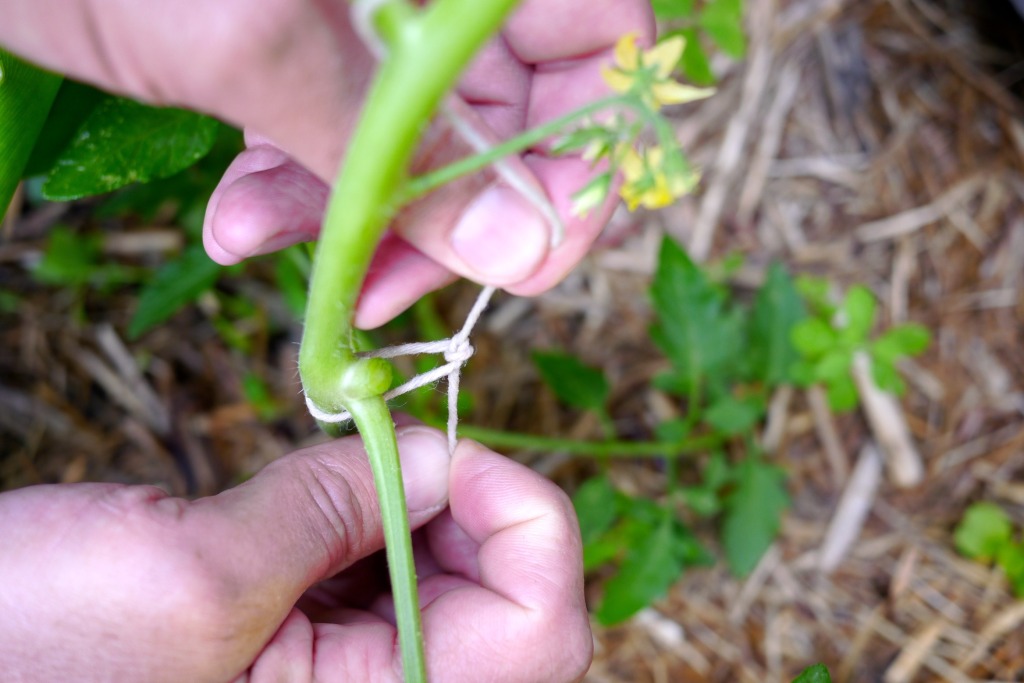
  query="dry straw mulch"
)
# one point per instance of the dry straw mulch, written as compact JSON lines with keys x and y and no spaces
{"x":871,"y":141}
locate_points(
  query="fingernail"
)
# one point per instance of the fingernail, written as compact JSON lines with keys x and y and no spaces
{"x":500,"y":237}
{"x":423,"y":453}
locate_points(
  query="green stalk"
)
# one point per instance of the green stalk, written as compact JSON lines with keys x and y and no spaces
{"x":26,"y":94}
{"x":602,"y":449}
{"x":427,"y":50}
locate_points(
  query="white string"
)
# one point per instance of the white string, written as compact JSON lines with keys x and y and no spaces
{"x":457,"y":351}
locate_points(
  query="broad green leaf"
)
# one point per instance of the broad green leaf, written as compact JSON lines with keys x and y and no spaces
{"x":672,"y":9}
{"x":753,"y":514}
{"x":731,"y":416}
{"x":695,"y":61}
{"x":650,"y":568}
{"x":695,"y":329}
{"x":176,"y":284}
{"x":984,"y":529}
{"x":705,"y":499}
{"x":903,"y":340}
{"x":123,"y":142}
{"x":813,"y":337}
{"x":858,"y":312}
{"x":814,"y":674}
{"x":594,"y":501}
{"x":723,"y":21}
{"x":73,"y":104}
{"x":777,"y":309}
{"x":574,"y":383}
{"x":842,"y":394}
{"x":26,"y":94}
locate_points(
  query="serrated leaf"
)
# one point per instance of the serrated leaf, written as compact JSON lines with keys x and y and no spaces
{"x":695,"y":330}
{"x":731,"y":416}
{"x":594,"y":502}
{"x":777,"y":310}
{"x":813,"y":337}
{"x":814,"y":674}
{"x":723,"y":21}
{"x":651,"y":566}
{"x":858,"y":313}
{"x":984,"y":529}
{"x":123,"y":142}
{"x":176,"y":284}
{"x":753,"y":514}
{"x":574,"y":383}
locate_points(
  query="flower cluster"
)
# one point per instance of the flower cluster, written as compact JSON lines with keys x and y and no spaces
{"x":655,"y":175}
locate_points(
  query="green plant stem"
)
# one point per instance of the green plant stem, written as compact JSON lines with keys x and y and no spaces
{"x":420,"y":185}
{"x":600,"y":449}
{"x":373,"y":419}
{"x":427,"y":49}
{"x":26,"y":94}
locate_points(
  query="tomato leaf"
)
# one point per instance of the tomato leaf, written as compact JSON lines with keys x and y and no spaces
{"x":574,"y":383}
{"x":176,"y":284}
{"x":777,"y":309}
{"x":753,"y":514}
{"x":123,"y":142}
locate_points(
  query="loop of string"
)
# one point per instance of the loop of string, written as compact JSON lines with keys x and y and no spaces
{"x":456,"y":351}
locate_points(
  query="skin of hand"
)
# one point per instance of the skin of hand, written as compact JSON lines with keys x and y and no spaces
{"x":106,"y":582}
{"x":292,"y":73}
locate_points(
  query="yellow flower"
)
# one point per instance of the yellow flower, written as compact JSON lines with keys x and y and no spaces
{"x":647,"y":183}
{"x":648,"y":74}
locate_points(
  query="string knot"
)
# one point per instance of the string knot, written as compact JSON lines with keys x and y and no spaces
{"x":459,"y":351}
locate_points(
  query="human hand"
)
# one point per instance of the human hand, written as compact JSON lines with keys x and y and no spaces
{"x":294,"y":72}
{"x":103,"y":582}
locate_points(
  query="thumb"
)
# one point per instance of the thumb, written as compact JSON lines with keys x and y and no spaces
{"x":311,"y":514}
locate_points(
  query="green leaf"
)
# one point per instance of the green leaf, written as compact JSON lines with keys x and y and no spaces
{"x":777,"y":310}
{"x":73,"y":260}
{"x":595,"y":507}
{"x":26,"y":95}
{"x":1011,"y":561}
{"x":574,"y":383}
{"x":700,"y":336}
{"x":291,"y":280}
{"x":887,"y":377}
{"x":673,"y":430}
{"x":73,"y":104}
{"x":695,"y":61}
{"x":123,"y":142}
{"x":842,"y":394}
{"x":858,"y":312}
{"x":814,"y":674}
{"x":753,"y":514}
{"x":813,"y":337}
{"x":834,"y":365}
{"x":723,"y":21}
{"x":176,"y":284}
{"x":672,"y":9}
{"x":984,"y":529}
{"x":731,"y":416}
{"x":903,"y":340}
{"x":651,"y":567}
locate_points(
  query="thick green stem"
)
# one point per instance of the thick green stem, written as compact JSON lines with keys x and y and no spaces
{"x":374,"y":422}
{"x":427,"y":49}
{"x":26,"y":94}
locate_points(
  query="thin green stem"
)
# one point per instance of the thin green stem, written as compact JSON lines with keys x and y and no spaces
{"x":419,"y":186}
{"x":373,"y":419}
{"x":601,"y":449}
